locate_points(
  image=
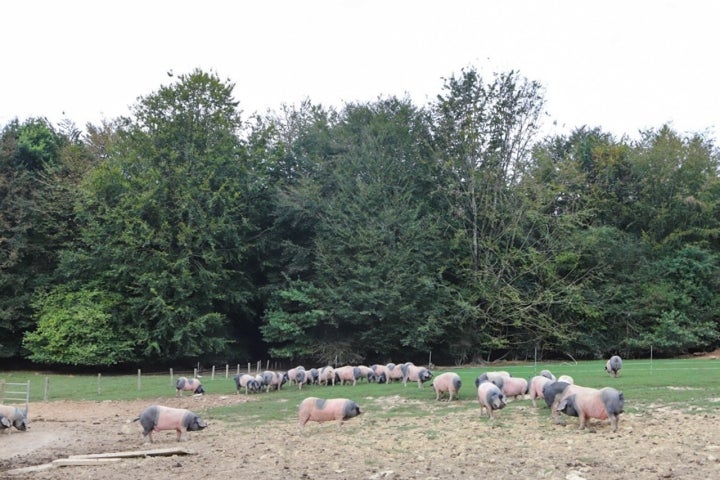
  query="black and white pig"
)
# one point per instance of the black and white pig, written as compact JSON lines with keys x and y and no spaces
{"x":490,"y":397}
{"x":586,"y":403}
{"x":157,"y":418}
{"x":248,"y":382}
{"x":16,"y":417}
{"x":184,"y":384}
{"x":614,"y":365}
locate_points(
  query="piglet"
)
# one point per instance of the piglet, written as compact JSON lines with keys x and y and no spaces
{"x":587,"y":403}
{"x":157,"y":418}
{"x":184,"y":384}
{"x":326,"y":410}
{"x":490,"y":398}
{"x":448,"y":382}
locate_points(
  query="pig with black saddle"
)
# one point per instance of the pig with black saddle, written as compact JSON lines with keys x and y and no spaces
{"x":490,"y":397}
{"x":586,"y":403}
{"x":248,"y":382}
{"x":327,"y":410}
{"x":614,"y":365}
{"x":157,"y":418}
{"x":14,"y":416}
{"x":184,"y":384}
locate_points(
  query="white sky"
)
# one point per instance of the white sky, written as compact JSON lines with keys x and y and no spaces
{"x":622,"y":65}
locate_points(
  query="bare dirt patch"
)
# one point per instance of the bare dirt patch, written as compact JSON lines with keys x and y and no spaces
{"x":444,"y":441}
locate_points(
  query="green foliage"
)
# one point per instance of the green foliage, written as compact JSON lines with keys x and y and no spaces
{"x":77,"y":328}
{"x":377,"y":231}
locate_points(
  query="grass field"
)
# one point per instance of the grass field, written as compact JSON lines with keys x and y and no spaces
{"x":693,"y":384}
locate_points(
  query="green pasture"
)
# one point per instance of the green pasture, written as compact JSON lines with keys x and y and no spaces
{"x":692,"y":385}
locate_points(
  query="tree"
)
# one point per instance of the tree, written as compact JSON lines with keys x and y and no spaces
{"x":165,"y":223}
{"x":375,"y":287}
{"x":38,"y":180}
{"x":77,"y":328}
{"x":484,"y":131}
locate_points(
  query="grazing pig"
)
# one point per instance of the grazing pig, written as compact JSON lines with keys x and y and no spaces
{"x":566,"y":379}
{"x":326,"y":375}
{"x":297,"y":376}
{"x":273,"y":380}
{"x":589,"y":403}
{"x":514,"y":387}
{"x":490,"y":398}
{"x":184,"y":384}
{"x":552,"y":394}
{"x":496,"y":378}
{"x":547,"y":374}
{"x":348,"y":373}
{"x":312,"y":376}
{"x":248,"y":382}
{"x":394,"y":372}
{"x":322,"y":410}
{"x":367,"y":373}
{"x":4,"y":422}
{"x":614,"y":365}
{"x":415,"y":374}
{"x":380,"y":373}
{"x":535,"y":389}
{"x":15,"y":417}
{"x":448,"y":382}
{"x":157,"y":418}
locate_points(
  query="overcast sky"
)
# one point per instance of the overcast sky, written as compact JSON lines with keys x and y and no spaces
{"x":622,"y":65}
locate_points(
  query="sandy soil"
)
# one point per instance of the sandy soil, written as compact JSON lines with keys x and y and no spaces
{"x":454,"y":442}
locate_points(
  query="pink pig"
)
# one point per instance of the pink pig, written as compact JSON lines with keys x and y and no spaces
{"x":326,"y":410}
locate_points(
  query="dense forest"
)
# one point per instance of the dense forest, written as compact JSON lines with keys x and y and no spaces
{"x":374,"y":232}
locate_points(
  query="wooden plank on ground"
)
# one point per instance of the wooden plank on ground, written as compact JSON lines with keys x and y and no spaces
{"x":31,"y":469}
{"x":158,"y":452}
{"x":74,"y":462}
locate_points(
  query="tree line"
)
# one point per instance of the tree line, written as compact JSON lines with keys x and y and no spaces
{"x":376,"y":231}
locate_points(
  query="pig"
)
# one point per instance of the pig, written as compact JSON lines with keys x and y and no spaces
{"x":490,"y":397}
{"x":394,"y":372}
{"x":380,"y":373}
{"x":547,"y":374}
{"x":494,"y":377}
{"x":566,"y":379}
{"x":614,"y":365}
{"x":348,"y":373}
{"x":514,"y":387}
{"x":156,"y":418}
{"x":535,"y":389}
{"x":184,"y":384}
{"x":4,"y":422}
{"x":415,"y":374}
{"x":327,"y":410}
{"x":273,"y":380}
{"x":15,"y":417}
{"x":448,"y":382}
{"x":367,"y":373}
{"x":326,"y":375}
{"x":248,"y":382}
{"x":312,"y":376}
{"x":552,"y":394}
{"x":297,"y":376}
{"x":586,"y":403}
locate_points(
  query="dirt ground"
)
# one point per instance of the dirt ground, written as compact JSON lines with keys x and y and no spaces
{"x":455,"y":442}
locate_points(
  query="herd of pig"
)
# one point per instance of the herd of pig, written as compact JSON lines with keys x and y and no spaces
{"x":493,"y":391}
